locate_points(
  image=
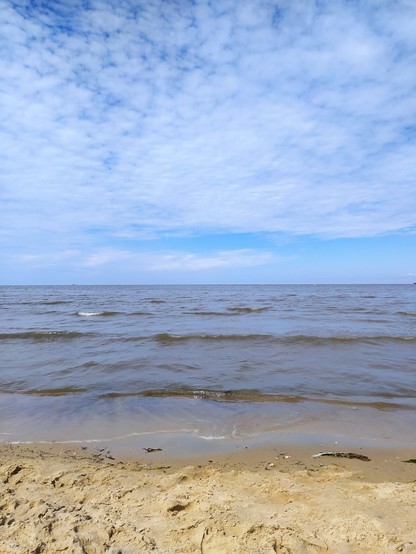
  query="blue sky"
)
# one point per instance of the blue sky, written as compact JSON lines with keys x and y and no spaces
{"x":211,"y":141}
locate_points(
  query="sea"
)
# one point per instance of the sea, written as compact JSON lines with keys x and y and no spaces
{"x":198,"y":369}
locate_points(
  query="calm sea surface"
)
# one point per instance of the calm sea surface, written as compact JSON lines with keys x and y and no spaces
{"x":183,"y":366}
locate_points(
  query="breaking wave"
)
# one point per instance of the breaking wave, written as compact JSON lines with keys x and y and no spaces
{"x":43,"y":336}
{"x":252,"y":395}
{"x":103,"y":314}
{"x":170,"y":338}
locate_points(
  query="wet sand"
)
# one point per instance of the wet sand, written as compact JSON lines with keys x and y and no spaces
{"x":63,"y":499}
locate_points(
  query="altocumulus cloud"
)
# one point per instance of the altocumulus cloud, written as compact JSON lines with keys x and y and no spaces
{"x":127,"y":121}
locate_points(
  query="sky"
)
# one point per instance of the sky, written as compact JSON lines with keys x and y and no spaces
{"x":207,"y":141}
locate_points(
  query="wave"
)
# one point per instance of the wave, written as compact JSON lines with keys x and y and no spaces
{"x":102,"y":314}
{"x":381,"y":402}
{"x":208,"y":394}
{"x":45,"y":302}
{"x":248,"y":310}
{"x":231,"y":311}
{"x":107,"y":313}
{"x":320,"y":340}
{"x":407,"y":313}
{"x":105,"y":439}
{"x":253,"y":396}
{"x":59,"y":391}
{"x":55,"y":302}
{"x":205,"y":313}
{"x":170,"y":338}
{"x":43,"y":336}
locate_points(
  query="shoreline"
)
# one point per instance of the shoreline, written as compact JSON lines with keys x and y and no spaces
{"x":59,"y":498}
{"x":189,"y":428}
{"x":383,"y":464}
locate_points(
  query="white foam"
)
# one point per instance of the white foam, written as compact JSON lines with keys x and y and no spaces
{"x":89,"y":314}
{"x":104,"y":439}
{"x":213,"y":437}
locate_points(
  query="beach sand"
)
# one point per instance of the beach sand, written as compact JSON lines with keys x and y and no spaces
{"x":60,"y":499}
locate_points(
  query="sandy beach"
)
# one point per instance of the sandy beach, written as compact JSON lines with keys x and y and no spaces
{"x":59,"y":499}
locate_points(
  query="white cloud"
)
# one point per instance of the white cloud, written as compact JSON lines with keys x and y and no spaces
{"x":177,"y":261}
{"x":145,"y":119}
{"x":150,"y":261}
{"x":225,"y":259}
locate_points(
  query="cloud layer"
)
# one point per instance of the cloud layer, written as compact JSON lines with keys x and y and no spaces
{"x":127,"y":120}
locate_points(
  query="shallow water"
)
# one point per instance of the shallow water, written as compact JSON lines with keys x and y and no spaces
{"x":224,"y":363}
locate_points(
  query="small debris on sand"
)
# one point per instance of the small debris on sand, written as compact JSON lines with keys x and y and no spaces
{"x":349,"y":455}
